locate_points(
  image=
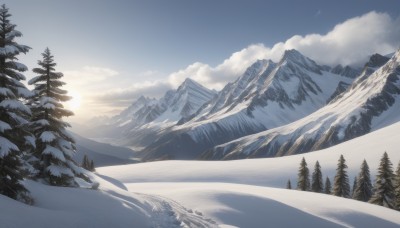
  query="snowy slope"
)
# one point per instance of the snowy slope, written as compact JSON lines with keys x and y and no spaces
{"x":271,"y":172}
{"x":235,"y":205}
{"x":110,"y":206}
{"x":211,"y":194}
{"x":266,"y":96}
{"x":238,"y":193}
{"x":371,"y":102}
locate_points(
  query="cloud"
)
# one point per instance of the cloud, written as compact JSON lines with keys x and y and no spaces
{"x":348,"y":43}
{"x":228,"y":70}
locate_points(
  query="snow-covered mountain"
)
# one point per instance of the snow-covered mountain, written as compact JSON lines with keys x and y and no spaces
{"x":346,"y":71}
{"x":176,"y":104}
{"x":370,"y":103}
{"x":266,"y":96}
{"x":127,"y":115}
{"x":138,"y":125}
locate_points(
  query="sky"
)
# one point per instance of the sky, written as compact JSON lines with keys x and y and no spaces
{"x":113,"y":51}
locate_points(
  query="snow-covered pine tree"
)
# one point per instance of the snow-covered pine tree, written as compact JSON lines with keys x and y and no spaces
{"x":383,"y":188}
{"x":328,"y":186}
{"x":341,"y":186}
{"x":288,"y":185}
{"x":14,"y":137}
{"x":54,"y":145}
{"x":363,"y":189}
{"x":303,"y":182}
{"x":397,"y":188}
{"x":316,"y":180}
{"x":354,"y":187}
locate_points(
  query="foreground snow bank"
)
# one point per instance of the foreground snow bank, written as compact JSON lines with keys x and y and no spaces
{"x":110,"y":206}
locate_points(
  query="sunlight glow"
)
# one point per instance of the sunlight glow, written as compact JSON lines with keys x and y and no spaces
{"x":75,"y":102}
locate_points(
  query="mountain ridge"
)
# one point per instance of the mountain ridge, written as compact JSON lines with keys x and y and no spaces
{"x":279,"y":93}
{"x":358,"y":107}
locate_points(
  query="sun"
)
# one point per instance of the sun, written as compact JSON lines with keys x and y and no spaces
{"x":75,"y":102}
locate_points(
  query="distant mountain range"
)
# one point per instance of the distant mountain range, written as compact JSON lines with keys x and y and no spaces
{"x":273,"y":109}
{"x":102,"y":154}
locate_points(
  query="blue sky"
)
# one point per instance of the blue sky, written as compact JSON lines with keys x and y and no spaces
{"x":122,"y":46}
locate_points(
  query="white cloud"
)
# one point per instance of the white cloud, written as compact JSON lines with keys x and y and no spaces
{"x":228,"y":70}
{"x":348,"y":43}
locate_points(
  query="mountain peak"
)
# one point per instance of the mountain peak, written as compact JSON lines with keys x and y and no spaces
{"x":346,"y":71}
{"x":295,"y":57}
{"x":292,"y":54}
{"x":189,"y":81}
{"x":142,"y":99}
{"x":190,"y":84}
{"x":377,"y":60}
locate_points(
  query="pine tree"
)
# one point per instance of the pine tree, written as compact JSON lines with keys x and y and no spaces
{"x":341,"y":186}
{"x":85,"y":162}
{"x":14,"y":135}
{"x":303,"y":182}
{"x":328,"y":186}
{"x":363,"y":189}
{"x":92,"y":168}
{"x":316,"y":181}
{"x":383,"y":188}
{"x":54,"y":145}
{"x":397,"y":188}
{"x":354,"y":187}
{"x":288,"y":185}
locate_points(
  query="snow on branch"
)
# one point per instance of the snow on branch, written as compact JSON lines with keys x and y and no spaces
{"x":6,"y":92}
{"x":9,"y":50}
{"x":58,"y":171}
{"x":47,"y":136}
{"x":15,"y":105}
{"x":24,"y":92}
{"x":56,"y":153}
{"x":11,"y":35}
{"x":4,"y":126}
{"x":30,"y":140}
{"x":6,"y":146}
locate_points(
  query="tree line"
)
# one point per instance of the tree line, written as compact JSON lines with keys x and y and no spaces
{"x":385,"y":191}
{"x":34,"y":142}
